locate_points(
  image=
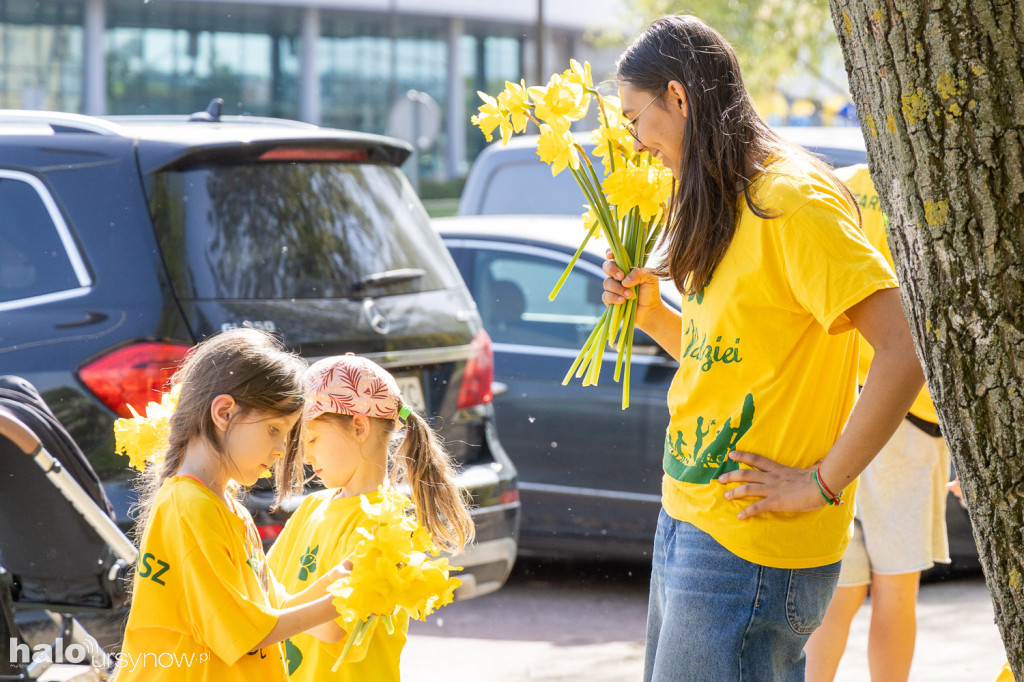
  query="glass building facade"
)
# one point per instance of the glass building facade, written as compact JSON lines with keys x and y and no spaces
{"x":174,"y":56}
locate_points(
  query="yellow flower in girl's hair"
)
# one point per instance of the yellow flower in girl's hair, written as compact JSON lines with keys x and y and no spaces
{"x":392,"y":570}
{"x":144,"y":438}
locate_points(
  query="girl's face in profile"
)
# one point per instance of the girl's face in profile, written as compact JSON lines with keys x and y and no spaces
{"x":332,"y":451}
{"x":255,"y":440}
{"x":657,"y":121}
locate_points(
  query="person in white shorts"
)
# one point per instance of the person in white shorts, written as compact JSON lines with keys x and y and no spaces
{"x":900,"y":520}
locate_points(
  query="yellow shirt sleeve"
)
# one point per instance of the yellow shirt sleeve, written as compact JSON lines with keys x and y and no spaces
{"x":829,"y":263}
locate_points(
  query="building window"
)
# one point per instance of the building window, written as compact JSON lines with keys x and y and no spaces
{"x":41,"y":55}
{"x":167,"y":58}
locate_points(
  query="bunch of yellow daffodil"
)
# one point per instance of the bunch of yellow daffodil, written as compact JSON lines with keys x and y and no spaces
{"x":144,"y":439}
{"x":392,"y":570}
{"x":628,"y":207}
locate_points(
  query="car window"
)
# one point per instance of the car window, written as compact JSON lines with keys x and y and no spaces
{"x":296,"y":230}
{"x":34,"y":257}
{"x":511,"y":290}
{"x":510,"y":184}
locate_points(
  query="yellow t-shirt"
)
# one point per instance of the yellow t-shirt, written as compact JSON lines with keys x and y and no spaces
{"x":317,"y":537}
{"x":858,"y":178}
{"x":765,"y":366}
{"x":201,"y":594}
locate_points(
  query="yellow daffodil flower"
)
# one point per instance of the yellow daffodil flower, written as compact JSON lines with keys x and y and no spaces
{"x":558,"y":149}
{"x":632,"y":186}
{"x":490,"y":116}
{"x":579,"y":74}
{"x":560,"y":102}
{"x":392,"y":569}
{"x":144,"y":438}
{"x":516,"y":100}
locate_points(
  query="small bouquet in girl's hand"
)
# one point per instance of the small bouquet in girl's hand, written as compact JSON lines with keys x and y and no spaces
{"x":391,"y":570}
{"x":144,"y":438}
{"x":628,"y":207}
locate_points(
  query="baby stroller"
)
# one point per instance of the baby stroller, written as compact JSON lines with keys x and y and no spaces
{"x":60,"y":551}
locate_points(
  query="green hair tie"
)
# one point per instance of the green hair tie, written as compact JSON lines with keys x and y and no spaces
{"x":403,"y":412}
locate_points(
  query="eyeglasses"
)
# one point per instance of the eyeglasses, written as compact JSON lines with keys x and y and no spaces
{"x":631,"y":123}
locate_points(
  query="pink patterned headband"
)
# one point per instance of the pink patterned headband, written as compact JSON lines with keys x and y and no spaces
{"x":349,"y":384}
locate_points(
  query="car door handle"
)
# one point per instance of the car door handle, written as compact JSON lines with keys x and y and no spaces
{"x":498,"y":387}
{"x":90,"y":318}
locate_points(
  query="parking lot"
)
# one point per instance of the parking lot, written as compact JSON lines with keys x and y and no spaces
{"x":561,"y":622}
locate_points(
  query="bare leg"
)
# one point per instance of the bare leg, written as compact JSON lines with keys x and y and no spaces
{"x":826,"y":644}
{"x":893,"y":626}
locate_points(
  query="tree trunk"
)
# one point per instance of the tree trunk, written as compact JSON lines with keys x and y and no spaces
{"x":938,"y":86}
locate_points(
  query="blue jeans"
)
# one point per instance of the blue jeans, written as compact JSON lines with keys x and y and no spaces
{"x":716,"y":617}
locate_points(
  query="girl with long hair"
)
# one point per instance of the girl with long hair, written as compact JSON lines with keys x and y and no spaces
{"x":359,"y":439}
{"x":205,"y":606}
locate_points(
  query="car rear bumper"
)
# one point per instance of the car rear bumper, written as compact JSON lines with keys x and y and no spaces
{"x":487,"y":562}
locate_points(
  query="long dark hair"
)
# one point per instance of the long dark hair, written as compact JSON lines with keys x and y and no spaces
{"x":253,"y":368}
{"x":725,"y":142}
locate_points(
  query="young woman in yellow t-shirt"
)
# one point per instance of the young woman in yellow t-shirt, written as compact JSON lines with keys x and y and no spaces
{"x":353,"y":408}
{"x":764,"y":241}
{"x":205,"y":606}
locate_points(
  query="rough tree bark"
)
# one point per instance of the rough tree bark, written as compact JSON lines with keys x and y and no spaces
{"x":938,"y":86}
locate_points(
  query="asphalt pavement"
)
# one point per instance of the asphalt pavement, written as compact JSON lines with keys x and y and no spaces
{"x":585,"y":622}
{"x":570,"y":622}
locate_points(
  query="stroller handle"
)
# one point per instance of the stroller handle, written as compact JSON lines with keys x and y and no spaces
{"x":15,"y":431}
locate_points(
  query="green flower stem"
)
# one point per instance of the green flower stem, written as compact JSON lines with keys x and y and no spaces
{"x":597,"y":359}
{"x":595,"y":197}
{"x":613,"y":238}
{"x":623,"y":340}
{"x":629,"y":355}
{"x":572,"y":262}
{"x":584,"y":350}
{"x":354,"y":638}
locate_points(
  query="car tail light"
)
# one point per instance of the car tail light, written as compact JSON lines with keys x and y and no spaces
{"x":313,"y":154}
{"x":269,"y":531}
{"x":509,"y":496}
{"x":476,"y":381}
{"x":133,"y":375}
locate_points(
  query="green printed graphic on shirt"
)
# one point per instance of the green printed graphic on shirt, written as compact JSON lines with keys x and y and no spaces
{"x":292,"y":656}
{"x":691,"y":461}
{"x":151,"y":567}
{"x":710,"y":354}
{"x":699,"y":296}
{"x":307,"y":565}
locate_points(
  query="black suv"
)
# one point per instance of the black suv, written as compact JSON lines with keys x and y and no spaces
{"x":126,"y":240}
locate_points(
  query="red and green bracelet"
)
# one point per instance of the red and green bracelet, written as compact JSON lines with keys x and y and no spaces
{"x":830,"y":497}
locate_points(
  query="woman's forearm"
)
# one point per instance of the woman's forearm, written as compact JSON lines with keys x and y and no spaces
{"x":664,"y":325}
{"x":894,"y":380}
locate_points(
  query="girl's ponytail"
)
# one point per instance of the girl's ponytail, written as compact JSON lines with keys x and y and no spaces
{"x":426,"y":467}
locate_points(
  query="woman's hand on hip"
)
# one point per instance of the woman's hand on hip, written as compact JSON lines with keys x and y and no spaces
{"x":780,"y":487}
{"x":619,"y":286}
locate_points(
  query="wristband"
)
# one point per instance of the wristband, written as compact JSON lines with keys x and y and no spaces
{"x":825,"y":492}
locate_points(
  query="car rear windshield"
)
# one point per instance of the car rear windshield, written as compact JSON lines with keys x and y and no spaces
{"x":296,"y":230}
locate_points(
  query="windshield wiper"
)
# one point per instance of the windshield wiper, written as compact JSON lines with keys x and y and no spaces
{"x":378,"y":279}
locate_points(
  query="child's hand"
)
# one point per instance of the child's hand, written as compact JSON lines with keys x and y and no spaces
{"x":341,"y":570}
